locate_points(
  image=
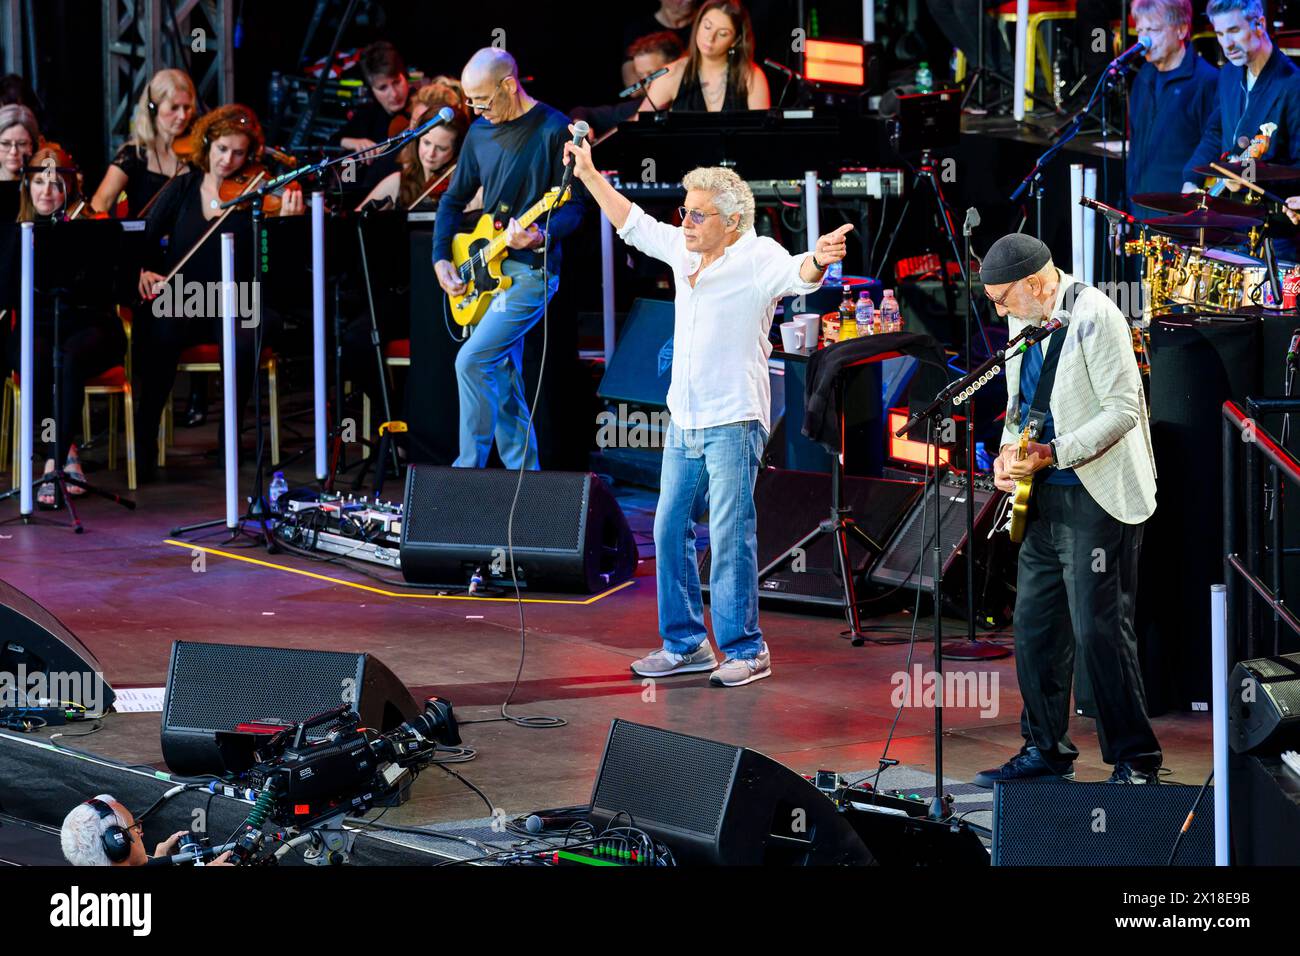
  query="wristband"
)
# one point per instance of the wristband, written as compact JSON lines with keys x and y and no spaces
{"x":818,"y":265}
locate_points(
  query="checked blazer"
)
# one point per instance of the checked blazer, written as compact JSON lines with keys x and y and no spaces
{"x":1097,"y":406}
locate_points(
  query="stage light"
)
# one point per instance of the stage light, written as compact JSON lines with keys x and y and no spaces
{"x":837,"y":62}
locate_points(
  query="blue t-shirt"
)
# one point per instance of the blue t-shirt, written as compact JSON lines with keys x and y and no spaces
{"x":1031,"y":370}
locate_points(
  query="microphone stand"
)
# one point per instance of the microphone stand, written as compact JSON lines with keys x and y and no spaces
{"x":972,"y":649}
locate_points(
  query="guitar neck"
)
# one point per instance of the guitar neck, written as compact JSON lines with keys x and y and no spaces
{"x":498,"y":245}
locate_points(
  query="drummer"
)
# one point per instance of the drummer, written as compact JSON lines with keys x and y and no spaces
{"x":1171,"y":103}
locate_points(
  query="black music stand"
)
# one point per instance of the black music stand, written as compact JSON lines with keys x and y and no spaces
{"x":70,"y":270}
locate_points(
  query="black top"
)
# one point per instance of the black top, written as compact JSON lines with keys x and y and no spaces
{"x":371,"y":122}
{"x":515,"y":162}
{"x":690,"y":97}
{"x":142,"y":183}
{"x":175,"y":223}
{"x":646,"y":24}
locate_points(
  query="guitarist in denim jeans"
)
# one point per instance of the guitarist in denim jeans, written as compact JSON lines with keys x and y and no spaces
{"x":512,"y":154}
{"x":727,"y":282}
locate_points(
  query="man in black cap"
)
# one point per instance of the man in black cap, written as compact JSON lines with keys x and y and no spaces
{"x":1080,"y":395}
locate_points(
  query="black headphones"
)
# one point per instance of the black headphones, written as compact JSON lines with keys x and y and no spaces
{"x":116,"y":839}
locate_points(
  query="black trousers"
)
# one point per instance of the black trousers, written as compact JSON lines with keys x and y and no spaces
{"x":1077,"y":581}
{"x":88,"y":346}
{"x":157,"y":344}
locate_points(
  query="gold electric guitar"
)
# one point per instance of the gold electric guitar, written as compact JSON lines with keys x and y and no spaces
{"x":1024,"y":488}
{"x":478,"y":257}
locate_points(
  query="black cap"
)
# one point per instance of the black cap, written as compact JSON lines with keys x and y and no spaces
{"x":1013,"y":257}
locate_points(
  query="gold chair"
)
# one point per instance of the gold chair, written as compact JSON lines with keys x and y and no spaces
{"x":207,"y":358}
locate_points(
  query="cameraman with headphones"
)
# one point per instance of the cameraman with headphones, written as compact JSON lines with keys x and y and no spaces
{"x":103,"y":832}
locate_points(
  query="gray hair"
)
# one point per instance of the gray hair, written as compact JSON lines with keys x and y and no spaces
{"x":15,"y":114}
{"x":730,"y":193}
{"x":82,"y":835}
{"x":1250,"y":9}
{"x":1176,"y":13}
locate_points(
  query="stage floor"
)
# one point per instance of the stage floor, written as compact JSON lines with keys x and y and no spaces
{"x":128,"y":594}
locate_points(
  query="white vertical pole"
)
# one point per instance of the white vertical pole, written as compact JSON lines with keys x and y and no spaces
{"x":1022,"y":44}
{"x":1219,"y":703}
{"x":318,"y":327}
{"x":228,"y":371}
{"x":869,"y":20}
{"x":813,"y":210}
{"x":607,"y":284}
{"x":1076,"y":221}
{"x":1089,"y":226}
{"x":26,"y":368}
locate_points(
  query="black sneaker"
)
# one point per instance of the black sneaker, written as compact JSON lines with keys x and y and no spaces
{"x":1023,"y":766}
{"x":1127,"y":773}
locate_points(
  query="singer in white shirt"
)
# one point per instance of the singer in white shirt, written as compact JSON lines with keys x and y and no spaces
{"x":727,"y":282}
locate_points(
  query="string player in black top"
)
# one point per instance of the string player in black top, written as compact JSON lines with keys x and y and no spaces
{"x":718,"y":72}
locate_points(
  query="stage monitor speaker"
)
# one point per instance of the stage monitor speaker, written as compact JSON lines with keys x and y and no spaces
{"x":909,"y":560}
{"x":569,"y":534}
{"x":214,"y":688}
{"x":1264,"y":705}
{"x":715,"y":803}
{"x":1047,"y":821}
{"x":34,"y":642}
{"x":792,"y":503}
{"x":641,"y":367}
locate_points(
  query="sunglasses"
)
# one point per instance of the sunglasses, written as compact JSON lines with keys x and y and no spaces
{"x":695,"y":215}
{"x":484,"y":107}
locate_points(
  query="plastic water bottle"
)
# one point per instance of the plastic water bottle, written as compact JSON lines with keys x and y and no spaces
{"x":862,"y":315}
{"x":890,"y":315}
{"x":275,"y":94}
{"x":278,"y":488}
{"x":834,"y":273}
{"x":924,"y":79}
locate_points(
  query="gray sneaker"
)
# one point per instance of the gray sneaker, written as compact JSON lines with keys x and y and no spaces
{"x":663,"y":662}
{"x":736,"y":672}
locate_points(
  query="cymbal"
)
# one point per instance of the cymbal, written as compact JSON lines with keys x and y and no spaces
{"x":1187,"y":202}
{"x":1201,"y":219}
{"x":1262,"y":172}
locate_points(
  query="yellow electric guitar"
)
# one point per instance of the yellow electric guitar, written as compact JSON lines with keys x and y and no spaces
{"x":1024,"y":488}
{"x":478,"y":257}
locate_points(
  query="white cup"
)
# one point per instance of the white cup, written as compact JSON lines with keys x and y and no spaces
{"x":792,"y":336}
{"x":811,"y":322}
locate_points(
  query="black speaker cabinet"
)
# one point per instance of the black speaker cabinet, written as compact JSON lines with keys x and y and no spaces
{"x":1054,"y":822}
{"x":569,"y":533}
{"x":714,"y":803}
{"x":792,"y":503}
{"x":1264,"y":705}
{"x":909,"y":557}
{"x":34,"y":642}
{"x":214,"y":688}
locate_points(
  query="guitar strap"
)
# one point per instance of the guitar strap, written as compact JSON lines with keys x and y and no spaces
{"x":1047,"y":378}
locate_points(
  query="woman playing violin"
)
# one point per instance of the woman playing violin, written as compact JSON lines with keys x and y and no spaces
{"x":228,"y":142}
{"x":90,"y":342}
{"x":150,"y":158}
{"x":426,"y":160}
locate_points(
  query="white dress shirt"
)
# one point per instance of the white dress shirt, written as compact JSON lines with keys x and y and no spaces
{"x":720,"y":329}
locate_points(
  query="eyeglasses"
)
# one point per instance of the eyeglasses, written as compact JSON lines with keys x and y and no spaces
{"x":15,"y":145}
{"x":1003,"y":300}
{"x":695,"y":215}
{"x":484,"y":107}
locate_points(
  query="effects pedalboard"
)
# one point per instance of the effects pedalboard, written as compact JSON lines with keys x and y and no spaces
{"x":346,"y":526}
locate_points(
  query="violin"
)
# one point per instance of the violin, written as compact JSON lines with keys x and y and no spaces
{"x":248,"y":179}
{"x":84,"y":210}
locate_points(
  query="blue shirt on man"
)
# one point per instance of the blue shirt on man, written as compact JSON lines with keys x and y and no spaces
{"x":1168,"y":112}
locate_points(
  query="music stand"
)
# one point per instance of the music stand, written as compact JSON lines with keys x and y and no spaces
{"x":72,"y":270}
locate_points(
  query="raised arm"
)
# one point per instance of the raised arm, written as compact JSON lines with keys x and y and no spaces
{"x":615,"y":206}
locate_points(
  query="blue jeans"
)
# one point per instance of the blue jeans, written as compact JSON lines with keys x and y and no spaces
{"x":489,"y":373}
{"x":713,"y":469}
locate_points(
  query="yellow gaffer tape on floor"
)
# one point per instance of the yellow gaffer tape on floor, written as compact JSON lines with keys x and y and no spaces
{"x":386,"y":593}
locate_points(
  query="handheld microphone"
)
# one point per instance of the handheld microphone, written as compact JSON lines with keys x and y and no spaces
{"x":444,"y":115}
{"x":642,"y":83}
{"x":1293,"y":350}
{"x":1143,"y":44}
{"x":580,"y":132}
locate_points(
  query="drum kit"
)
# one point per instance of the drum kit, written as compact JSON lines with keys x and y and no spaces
{"x":1210,"y":253}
